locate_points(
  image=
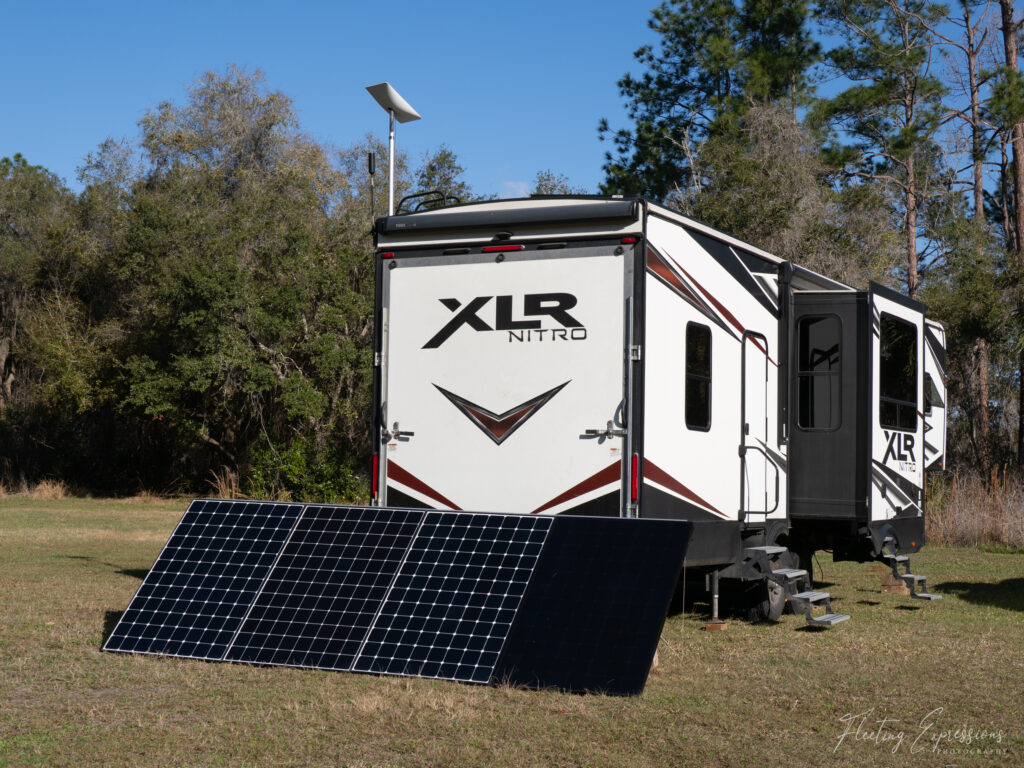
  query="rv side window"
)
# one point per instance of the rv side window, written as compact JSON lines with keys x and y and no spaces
{"x":698,"y":377}
{"x":818,"y":404}
{"x":931,"y":395}
{"x":897,"y":372}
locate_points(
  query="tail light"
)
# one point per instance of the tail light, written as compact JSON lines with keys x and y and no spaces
{"x":502,"y":248}
{"x":375,"y":483}
{"x":634,"y":485}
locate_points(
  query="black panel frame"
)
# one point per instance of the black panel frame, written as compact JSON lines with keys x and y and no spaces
{"x":605,"y":644}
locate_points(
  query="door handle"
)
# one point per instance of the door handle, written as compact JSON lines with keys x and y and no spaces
{"x":395,"y":433}
{"x":608,"y":431}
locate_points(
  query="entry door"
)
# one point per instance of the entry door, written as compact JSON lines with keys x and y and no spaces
{"x":759,"y":486}
{"x":829,"y":379}
{"x":503,"y":381}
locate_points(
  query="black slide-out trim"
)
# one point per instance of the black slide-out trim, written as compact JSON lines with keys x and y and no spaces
{"x":935,"y":344}
{"x":895,"y":296}
{"x":728,"y":258}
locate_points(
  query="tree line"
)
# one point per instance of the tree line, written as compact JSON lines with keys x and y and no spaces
{"x":202,"y":309}
{"x":865,"y":139}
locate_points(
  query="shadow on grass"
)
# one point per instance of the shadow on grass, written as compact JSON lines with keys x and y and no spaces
{"x":1008,"y":593}
{"x":110,"y":619}
{"x":135,"y":573}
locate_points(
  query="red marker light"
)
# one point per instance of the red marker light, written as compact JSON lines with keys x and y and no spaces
{"x":628,"y":240}
{"x":634,"y":485}
{"x":387,"y":255}
{"x":500,"y":248}
{"x":375,"y":484}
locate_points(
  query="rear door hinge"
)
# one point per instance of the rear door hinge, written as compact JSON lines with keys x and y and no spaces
{"x":634,"y":352}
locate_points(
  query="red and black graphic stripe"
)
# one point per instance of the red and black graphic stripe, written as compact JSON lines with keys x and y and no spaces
{"x":656,"y":474}
{"x":719,"y":308}
{"x":658,"y":266}
{"x":610,"y":474}
{"x":499,"y":426}
{"x":409,"y":480}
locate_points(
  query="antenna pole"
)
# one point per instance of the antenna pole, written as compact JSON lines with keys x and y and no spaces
{"x":391,"y":162}
{"x":371,"y":166}
{"x":397,"y":109}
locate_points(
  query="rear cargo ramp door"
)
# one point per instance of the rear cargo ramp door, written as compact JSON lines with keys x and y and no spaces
{"x":494,"y":370}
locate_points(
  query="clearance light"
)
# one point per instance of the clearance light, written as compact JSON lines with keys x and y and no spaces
{"x":375,"y":475}
{"x":499,"y":248}
{"x":388,"y":255}
{"x":628,"y":240}
{"x":633,"y":484}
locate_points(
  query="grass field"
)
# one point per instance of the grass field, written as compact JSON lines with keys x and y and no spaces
{"x":948,"y":677}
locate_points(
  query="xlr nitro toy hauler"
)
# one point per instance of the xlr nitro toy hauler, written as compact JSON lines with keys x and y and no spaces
{"x":608,"y":356}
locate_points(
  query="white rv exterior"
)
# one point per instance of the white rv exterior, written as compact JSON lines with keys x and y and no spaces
{"x":580,"y":355}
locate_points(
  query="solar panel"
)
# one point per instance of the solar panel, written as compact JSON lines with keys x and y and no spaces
{"x":455,"y":596}
{"x":570,"y":602}
{"x":200,"y":588}
{"x":593,"y":614}
{"x":326,"y":587}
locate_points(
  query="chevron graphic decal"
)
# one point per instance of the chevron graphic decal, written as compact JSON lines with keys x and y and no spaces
{"x":498,"y":426}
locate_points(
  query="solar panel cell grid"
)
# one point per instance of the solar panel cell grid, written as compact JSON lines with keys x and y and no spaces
{"x":326,"y":588}
{"x":455,"y":596}
{"x":195,"y":596}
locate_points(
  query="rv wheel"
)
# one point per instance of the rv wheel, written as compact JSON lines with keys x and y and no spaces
{"x":768,"y":599}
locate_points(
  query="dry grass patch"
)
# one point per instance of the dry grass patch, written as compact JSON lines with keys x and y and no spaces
{"x":225,"y":483}
{"x":752,"y":694}
{"x":49,"y":490}
{"x":965,"y":510}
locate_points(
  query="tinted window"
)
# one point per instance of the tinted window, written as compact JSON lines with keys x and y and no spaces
{"x":931,"y":395}
{"x":897,"y":372}
{"x":698,"y":376}
{"x":818,"y":340}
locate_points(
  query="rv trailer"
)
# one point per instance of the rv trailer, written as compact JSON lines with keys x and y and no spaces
{"x":606,"y":356}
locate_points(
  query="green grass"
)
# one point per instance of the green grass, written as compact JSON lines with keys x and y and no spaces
{"x":753,"y":694}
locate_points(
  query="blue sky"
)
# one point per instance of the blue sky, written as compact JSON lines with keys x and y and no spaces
{"x":512,"y":88}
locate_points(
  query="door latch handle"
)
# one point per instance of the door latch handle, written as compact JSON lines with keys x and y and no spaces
{"x":608,"y":431}
{"x":395,"y":433}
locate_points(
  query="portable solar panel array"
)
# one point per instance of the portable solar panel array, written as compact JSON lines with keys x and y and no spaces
{"x":574,"y":603}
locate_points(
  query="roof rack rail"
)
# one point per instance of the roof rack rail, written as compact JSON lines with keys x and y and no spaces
{"x":434,"y":198}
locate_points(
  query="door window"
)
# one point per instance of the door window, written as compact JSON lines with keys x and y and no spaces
{"x":897,"y":371}
{"x":818,"y":381}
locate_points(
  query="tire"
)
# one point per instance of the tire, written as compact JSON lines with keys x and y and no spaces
{"x":767,"y":600}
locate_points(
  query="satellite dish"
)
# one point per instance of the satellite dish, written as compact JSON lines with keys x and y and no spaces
{"x":392,"y":101}
{"x":397,"y":109}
